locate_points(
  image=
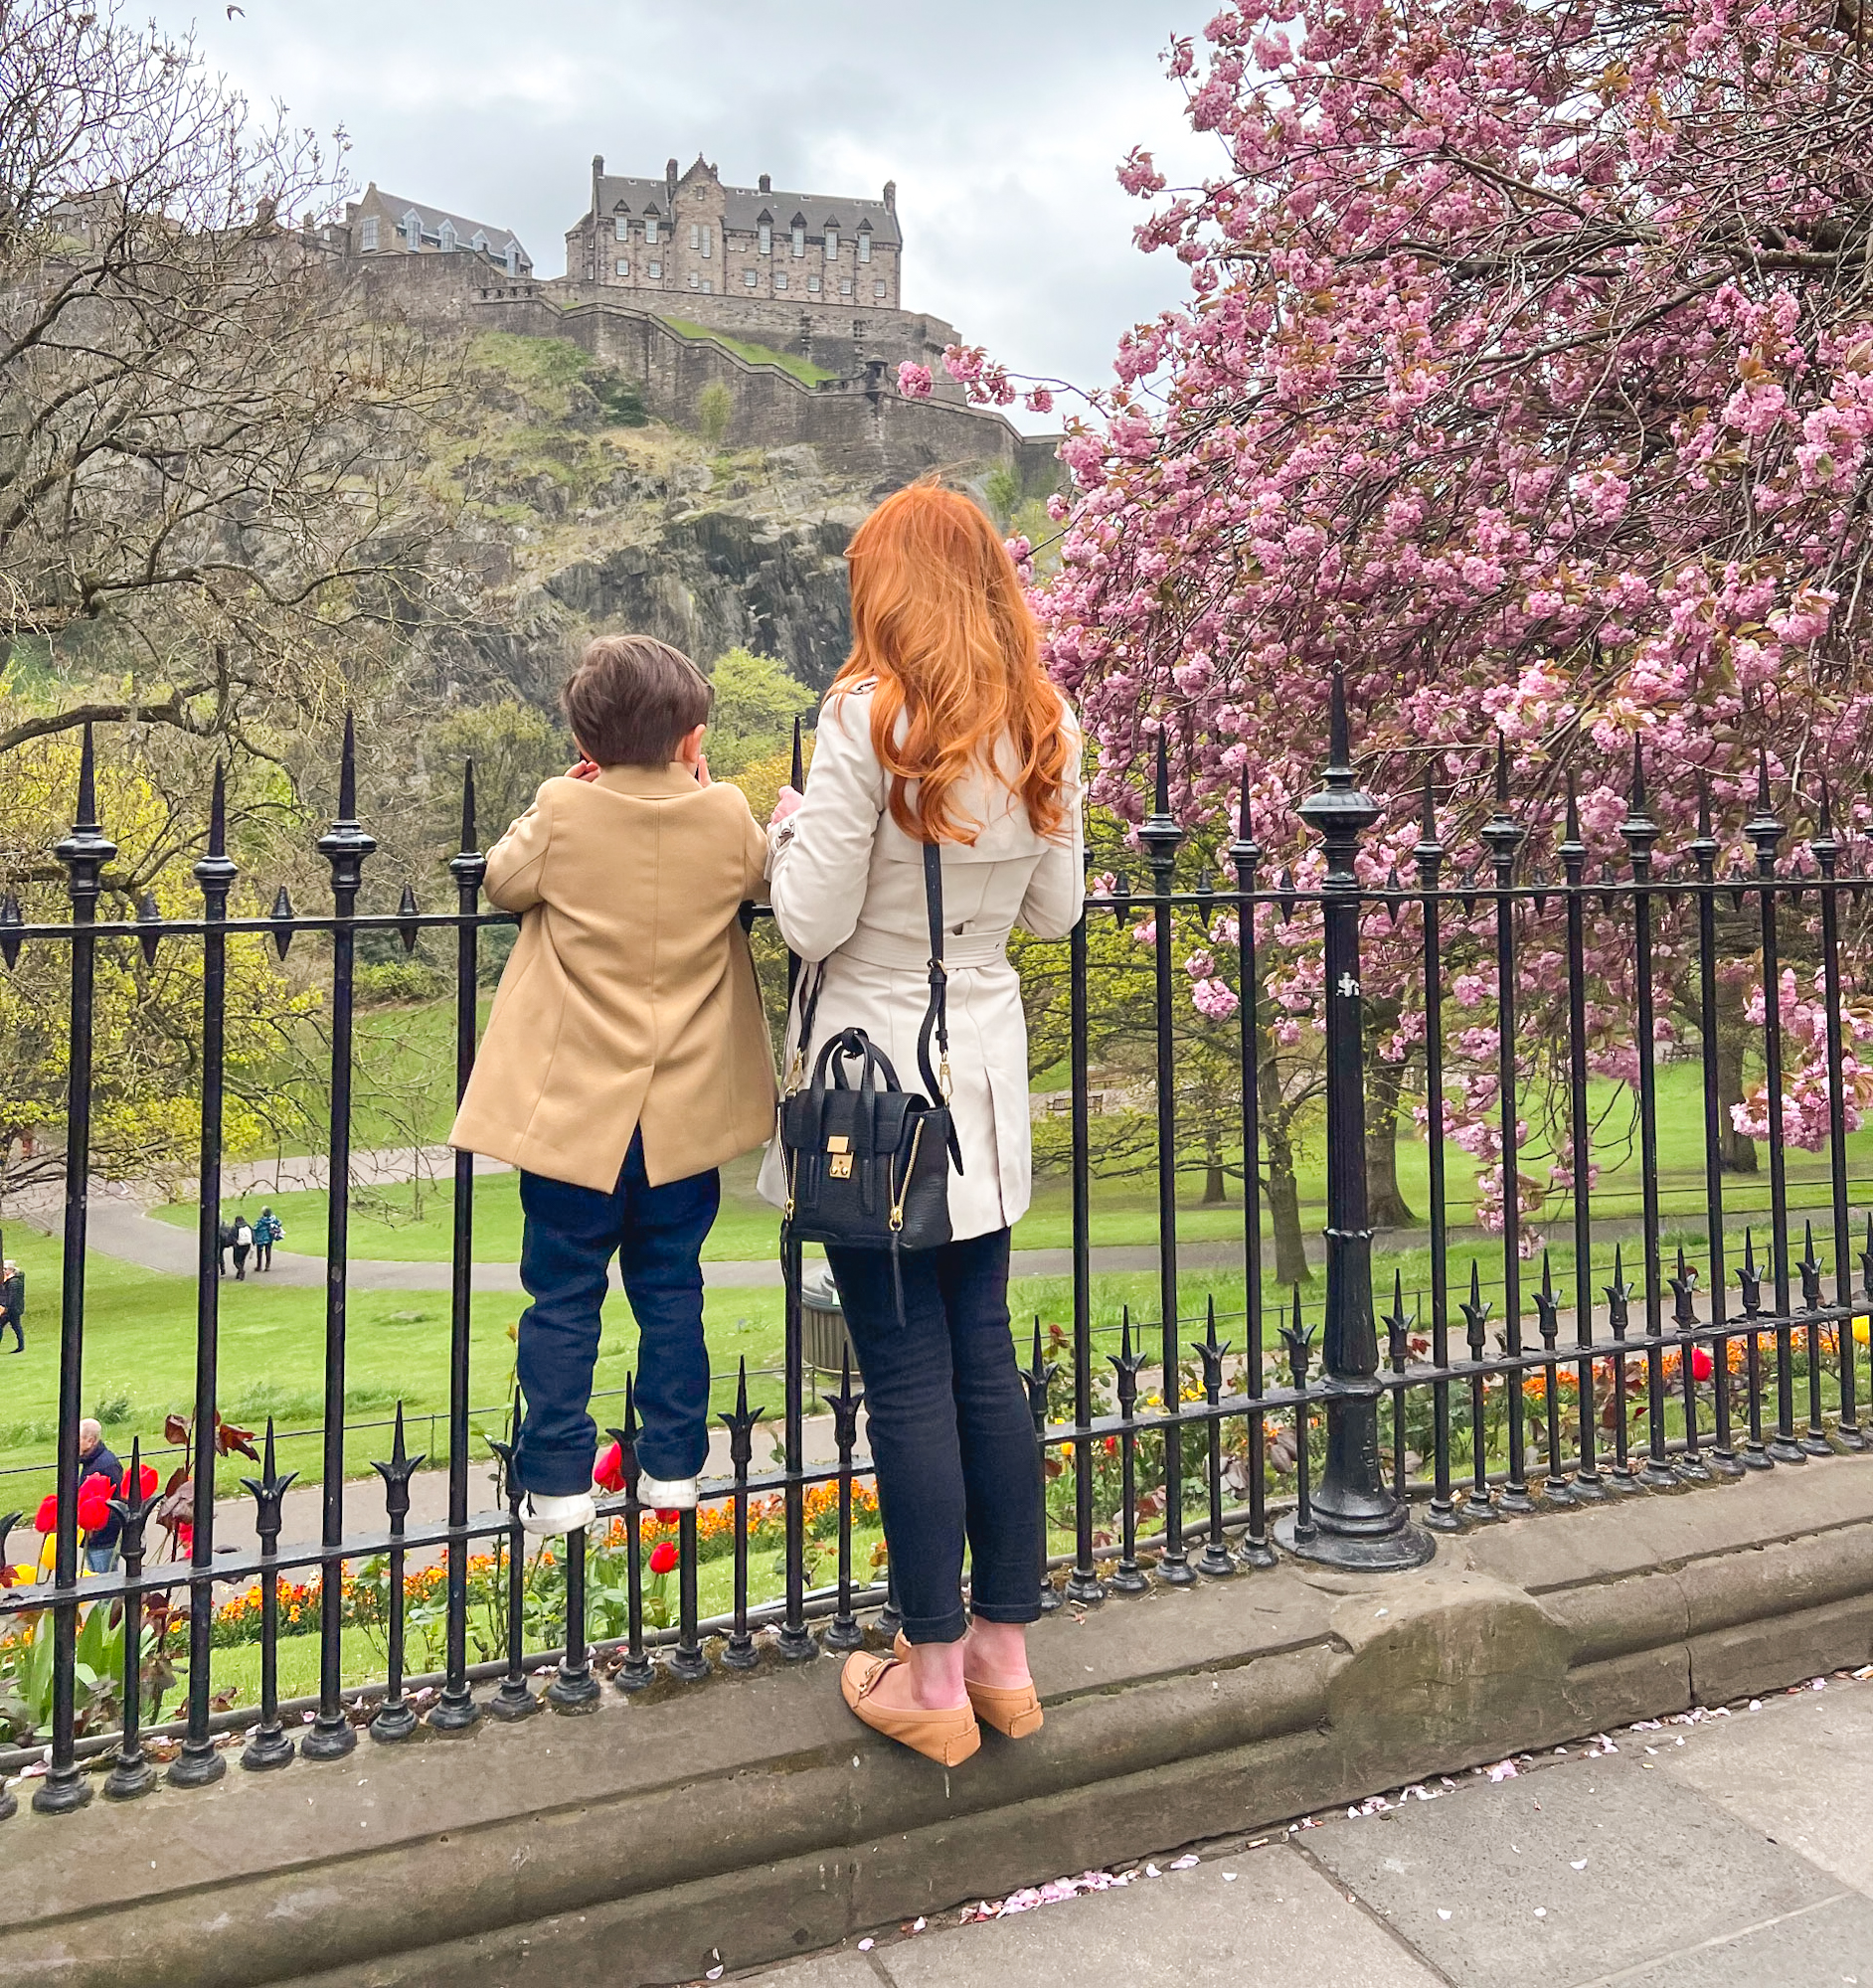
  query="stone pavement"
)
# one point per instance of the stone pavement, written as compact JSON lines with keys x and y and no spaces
{"x":1714,"y":1850}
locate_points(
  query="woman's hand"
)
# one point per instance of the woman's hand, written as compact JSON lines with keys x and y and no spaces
{"x":584,"y":770}
{"x":789,"y":800}
{"x":702,"y":772}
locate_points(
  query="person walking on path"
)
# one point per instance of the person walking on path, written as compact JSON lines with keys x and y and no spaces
{"x":942,"y":729}
{"x":95,"y":1459}
{"x":13,"y":1305}
{"x":243,"y":1243}
{"x":267,"y":1232}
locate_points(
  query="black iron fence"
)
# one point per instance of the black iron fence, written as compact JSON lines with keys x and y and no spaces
{"x":1207,"y":1440}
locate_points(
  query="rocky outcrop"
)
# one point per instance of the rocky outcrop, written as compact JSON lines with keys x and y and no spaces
{"x":574,"y":523}
{"x":758,"y":564}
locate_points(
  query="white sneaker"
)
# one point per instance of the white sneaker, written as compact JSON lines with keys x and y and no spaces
{"x":667,"y":1494}
{"x":543,"y":1517}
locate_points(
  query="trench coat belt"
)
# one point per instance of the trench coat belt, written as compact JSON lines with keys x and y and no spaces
{"x":902,"y":951}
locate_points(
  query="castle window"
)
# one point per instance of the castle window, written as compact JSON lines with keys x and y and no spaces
{"x":799,"y":241}
{"x":812,"y":283}
{"x":864,"y":245}
{"x":656,"y":273}
{"x":780,"y":280}
{"x":878,"y":287}
{"x":622,"y":267}
{"x":832,"y":244}
{"x":512,"y":256}
{"x":708,"y":286}
{"x":695,"y":281}
{"x":695,"y":236}
{"x":413,"y":229}
{"x":766,"y":237}
{"x":445,"y":236}
{"x":367,"y":234}
{"x":708,"y":242}
{"x":623,"y":227}
{"x":845,"y":286}
{"x":650,"y":231}
{"x":749,"y":278}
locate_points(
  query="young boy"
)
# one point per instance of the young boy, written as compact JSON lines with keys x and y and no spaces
{"x":625,"y":1059}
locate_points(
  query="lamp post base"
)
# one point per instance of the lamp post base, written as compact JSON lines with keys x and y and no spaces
{"x":1358,"y":1553}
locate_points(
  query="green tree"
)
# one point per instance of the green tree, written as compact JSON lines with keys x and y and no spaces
{"x":1001,"y":492}
{"x":756,"y":701}
{"x":714,"y":408}
{"x":514,"y":747}
{"x":146,"y":1030}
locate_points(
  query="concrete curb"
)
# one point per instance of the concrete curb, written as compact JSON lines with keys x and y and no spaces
{"x":753,"y":1818}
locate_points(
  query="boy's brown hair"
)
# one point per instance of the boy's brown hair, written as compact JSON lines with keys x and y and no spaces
{"x":633,"y":698}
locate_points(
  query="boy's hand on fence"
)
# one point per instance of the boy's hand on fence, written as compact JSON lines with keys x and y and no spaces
{"x":790,"y":798}
{"x":702,"y":771}
{"x":584,"y":770}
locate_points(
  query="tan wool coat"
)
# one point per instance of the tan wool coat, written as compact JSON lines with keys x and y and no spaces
{"x":629,"y":999}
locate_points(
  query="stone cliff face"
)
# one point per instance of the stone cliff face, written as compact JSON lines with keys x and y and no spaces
{"x":755,"y":561}
{"x":574,"y":523}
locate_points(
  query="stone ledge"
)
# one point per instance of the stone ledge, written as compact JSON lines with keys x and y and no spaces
{"x":753,"y":1816}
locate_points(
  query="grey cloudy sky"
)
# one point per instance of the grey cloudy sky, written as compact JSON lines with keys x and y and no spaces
{"x":1001,"y":124}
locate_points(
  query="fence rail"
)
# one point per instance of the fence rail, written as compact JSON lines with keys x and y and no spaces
{"x":1214,"y":1438}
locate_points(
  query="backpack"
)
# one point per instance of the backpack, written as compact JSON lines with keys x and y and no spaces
{"x":244,"y":1236}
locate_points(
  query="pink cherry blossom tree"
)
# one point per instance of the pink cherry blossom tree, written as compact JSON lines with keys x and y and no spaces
{"x":1526,"y":373}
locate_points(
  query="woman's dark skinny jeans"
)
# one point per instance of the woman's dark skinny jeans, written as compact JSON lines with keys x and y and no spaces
{"x":950,"y":1432}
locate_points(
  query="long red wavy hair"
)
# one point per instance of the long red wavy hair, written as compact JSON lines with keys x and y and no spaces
{"x":940,"y":621}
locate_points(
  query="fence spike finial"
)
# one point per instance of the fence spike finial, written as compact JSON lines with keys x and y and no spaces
{"x":1639,"y":774}
{"x":348,"y":772}
{"x":1703,"y":804}
{"x":1502,"y":773}
{"x":88,"y":784}
{"x":1574,"y":808}
{"x":1430,"y":811}
{"x":797,"y":775}
{"x":467,"y":806}
{"x":1762,"y":779}
{"x":1161,"y":790}
{"x":1339,"y":731}
{"x":218,"y":812}
{"x":1827,"y":809}
{"x":1244,"y":828}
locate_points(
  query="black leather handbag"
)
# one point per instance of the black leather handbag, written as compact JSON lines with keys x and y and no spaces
{"x":867,"y":1161}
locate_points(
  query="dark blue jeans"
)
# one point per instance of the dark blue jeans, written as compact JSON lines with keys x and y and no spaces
{"x":950,"y":1432}
{"x":572,"y":1235}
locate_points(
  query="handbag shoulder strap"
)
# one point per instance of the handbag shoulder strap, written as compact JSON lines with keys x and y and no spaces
{"x":937,"y":1015}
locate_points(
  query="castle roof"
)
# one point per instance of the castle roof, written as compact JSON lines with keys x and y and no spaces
{"x":744,"y":208}
{"x":495,"y":239}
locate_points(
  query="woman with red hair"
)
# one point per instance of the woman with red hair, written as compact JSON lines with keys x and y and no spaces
{"x":941,"y":728}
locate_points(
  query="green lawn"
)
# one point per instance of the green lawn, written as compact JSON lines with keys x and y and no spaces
{"x":139,"y":1362}
{"x":416,"y":1223}
{"x":756,"y":355}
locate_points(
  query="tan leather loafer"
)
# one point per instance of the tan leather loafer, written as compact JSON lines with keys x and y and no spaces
{"x":1012,"y":1710}
{"x":947,"y":1737}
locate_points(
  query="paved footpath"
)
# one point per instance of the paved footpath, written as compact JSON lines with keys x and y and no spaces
{"x":1729,"y":1852}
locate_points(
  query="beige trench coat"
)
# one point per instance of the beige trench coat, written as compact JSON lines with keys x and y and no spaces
{"x":847,"y":888}
{"x":629,"y":999}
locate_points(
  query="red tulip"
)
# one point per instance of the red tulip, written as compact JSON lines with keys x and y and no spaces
{"x":93,"y":1505}
{"x":185,"y":1539}
{"x":46,"y":1519}
{"x":668,"y":1518}
{"x":150,"y":1480}
{"x":1702,"y":1366}
{"x":663,"y":1556}
{"x":609,"y":1468}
